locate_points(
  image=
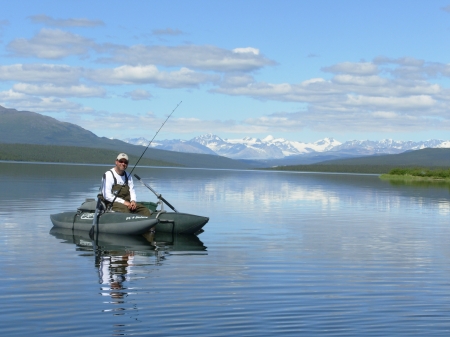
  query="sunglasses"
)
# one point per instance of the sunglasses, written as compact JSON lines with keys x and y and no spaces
{"x":123,"y":161}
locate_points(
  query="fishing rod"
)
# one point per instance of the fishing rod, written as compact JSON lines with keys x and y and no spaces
{"x":159,"y":196}
{"x":154,"y":137}
{"x":99,"y":202}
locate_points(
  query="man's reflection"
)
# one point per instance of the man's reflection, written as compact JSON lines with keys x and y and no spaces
{"x":114,"y":269}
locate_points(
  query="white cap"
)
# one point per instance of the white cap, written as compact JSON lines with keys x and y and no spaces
{"x":122,"y":156}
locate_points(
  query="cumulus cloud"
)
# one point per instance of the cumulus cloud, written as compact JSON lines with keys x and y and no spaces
{"x":344,"y":121}
{"x":12,"y":95}
{"x":248,"y":50}
{"x":49,"y":21}
{"x":59,"y":91}
{"x":384,"y":94}
{"x":48,"y":73}
{"x":140,"y":124}
{"x":192,"y":56}
{"x":362,"y":68}
{"x":51,"y":44}
{"x":139,"y":94}
{"x":150,"y":74}
{"x":22,"y":101}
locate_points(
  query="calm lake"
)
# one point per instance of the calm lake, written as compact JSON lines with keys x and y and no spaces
{"x":284,"y":254}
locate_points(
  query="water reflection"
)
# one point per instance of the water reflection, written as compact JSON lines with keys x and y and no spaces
{"x":288,"y":254}
{"x":115,"y":255}
{"x":121,"y":245}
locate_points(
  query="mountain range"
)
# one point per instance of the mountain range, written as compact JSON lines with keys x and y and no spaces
{"x":29,"y":136}
{"x":27,"y":127}
{"x":279,"y":151}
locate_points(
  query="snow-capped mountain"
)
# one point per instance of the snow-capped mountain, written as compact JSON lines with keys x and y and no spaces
{"x":278,"y":148}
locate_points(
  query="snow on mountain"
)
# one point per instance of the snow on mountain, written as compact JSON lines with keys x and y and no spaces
{"x":444,"y":145}
{"x":137,"y":141}
{"x":278,"y":148}
{"x":386,"y":146}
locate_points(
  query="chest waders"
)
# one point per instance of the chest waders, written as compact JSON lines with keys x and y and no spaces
{"x":123,"y":191}
{"x":119,"y":191}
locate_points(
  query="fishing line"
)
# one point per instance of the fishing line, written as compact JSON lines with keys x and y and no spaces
{"x":155,"y":136}
{"x":145,"y":150}
{"x":95,"y":221}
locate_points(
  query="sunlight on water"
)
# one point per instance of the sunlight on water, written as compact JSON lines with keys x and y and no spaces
{"x":282,"y":254}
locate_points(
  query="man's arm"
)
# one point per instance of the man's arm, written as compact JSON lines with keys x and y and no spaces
{"x":131,"y":186}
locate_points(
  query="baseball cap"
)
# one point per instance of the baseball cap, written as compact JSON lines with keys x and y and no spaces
{"x":122,"y":156}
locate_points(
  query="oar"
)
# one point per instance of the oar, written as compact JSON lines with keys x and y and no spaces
{"x":95,"y":221}
{"x":159,"y":196}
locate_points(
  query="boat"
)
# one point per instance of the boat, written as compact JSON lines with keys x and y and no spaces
{"x":94,"y":216}
{"x":86,"y":218}
{"x":172,"y":221}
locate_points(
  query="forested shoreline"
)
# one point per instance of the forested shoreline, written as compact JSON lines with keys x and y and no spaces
{"x":67,"y":154}
{"x":418,"y":173}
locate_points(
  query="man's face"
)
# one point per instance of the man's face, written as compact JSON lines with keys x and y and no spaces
{"x":122,"y":164}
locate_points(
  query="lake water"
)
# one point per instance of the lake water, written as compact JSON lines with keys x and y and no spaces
{"x":283,"y":254}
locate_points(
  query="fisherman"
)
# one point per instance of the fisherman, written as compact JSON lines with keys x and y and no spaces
{"x":118,"y":189}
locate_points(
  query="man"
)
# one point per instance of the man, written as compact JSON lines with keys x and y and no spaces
{"x":118,"y":189}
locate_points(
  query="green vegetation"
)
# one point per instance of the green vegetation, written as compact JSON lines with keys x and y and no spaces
{"x":68,"y":154}
{"x":418,"y":173}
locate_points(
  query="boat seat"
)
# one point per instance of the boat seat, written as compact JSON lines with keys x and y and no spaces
{"x":89,"y":206}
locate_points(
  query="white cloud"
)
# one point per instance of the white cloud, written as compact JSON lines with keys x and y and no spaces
{"x":59,"y":91}
{"x":48,"y":73}
{"x":22,"y":101}
{"x":248,"y":50}
{"x":386,"y":96}
{"x":196,"y":57}
{"x":48,"y":20}
{"x":369,"y":81}
{"x":346,"y":120}
{"x":51,"y":44}
{"x":11,"y":95}
{"x":139,"y":94}
{"x":361,"y":68}
{"x":140,"y":124}
{"x":150,"y":74}
{"x":410,"y":103}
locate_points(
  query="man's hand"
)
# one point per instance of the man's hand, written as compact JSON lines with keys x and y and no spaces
{"x":131,"y":205}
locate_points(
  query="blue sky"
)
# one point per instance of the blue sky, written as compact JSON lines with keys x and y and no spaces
{"x":301,"y":70}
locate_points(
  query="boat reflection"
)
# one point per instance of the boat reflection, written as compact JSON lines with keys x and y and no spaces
{"x":117,"y":255}
{"x":152,"y":244}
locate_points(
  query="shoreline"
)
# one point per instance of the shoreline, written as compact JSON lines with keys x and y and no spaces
{"x":408,"y":177}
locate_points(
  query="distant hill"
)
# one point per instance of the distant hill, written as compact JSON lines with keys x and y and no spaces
{"x":68,"y":154}
{"x":428,"y":158}
{"x":423,"y":158}
{"x":26,"y":127}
